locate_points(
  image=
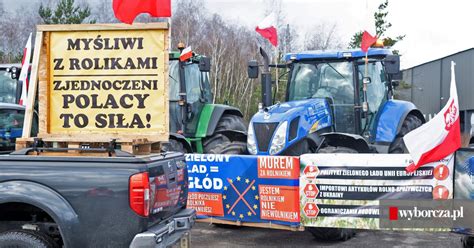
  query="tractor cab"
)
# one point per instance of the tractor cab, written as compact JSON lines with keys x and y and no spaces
{"x":333,"y":99}
{"x":10,"y":87}
{"x":339,"y":77}
{"x":195,"y":84}
{"x":196,"y":123}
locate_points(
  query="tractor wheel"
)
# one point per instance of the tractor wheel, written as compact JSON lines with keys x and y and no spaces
{"x":333,"y":234}
{"x":231,"y":122}
{"x":226,"y":123}
{"x":228,"y":147}
{"x":174,"y":146}
{"x":410,"y":123}
{"x":467,"y":241}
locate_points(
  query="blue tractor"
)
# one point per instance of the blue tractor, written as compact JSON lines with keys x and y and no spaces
{"x":336,"y":102}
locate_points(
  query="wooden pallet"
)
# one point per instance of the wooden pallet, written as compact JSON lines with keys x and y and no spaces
{"x":80,"y":148}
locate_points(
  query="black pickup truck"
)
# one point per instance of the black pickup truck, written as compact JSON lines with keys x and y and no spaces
{"x":93,"y":201}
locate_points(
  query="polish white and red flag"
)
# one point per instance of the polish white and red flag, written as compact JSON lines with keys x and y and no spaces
{"x":186,"y":54}
{"x":25,"y":67}
{"x":267,"y":29}
{"x":439,"y":137}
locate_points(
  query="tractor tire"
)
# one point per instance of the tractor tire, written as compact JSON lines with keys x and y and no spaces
{"x":410,"y":123}
{"x":174,"y":146}
{"x":231,"y":122}
{"x":467,"y":241}
{"x":26,"y":239}
{"x":226,"y":123}
{"x":234,"y":147}
{"x":333,"y":234}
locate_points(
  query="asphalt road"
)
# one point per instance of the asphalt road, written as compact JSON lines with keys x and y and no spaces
{"x":205,"y":235}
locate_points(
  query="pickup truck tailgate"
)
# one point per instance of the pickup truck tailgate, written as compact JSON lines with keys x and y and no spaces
{"x":168,"y":187}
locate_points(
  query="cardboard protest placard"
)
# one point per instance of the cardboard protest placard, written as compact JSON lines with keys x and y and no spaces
{"x":100,"y":82}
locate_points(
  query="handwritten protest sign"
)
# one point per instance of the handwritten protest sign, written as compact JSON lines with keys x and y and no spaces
{"x":104,"y":81}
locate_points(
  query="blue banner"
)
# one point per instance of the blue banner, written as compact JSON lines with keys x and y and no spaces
{"x":259,"y":189}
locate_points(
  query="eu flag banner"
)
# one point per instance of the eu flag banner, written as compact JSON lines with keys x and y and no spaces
{"x":259,"y":189}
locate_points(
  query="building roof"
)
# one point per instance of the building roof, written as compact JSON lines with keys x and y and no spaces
{"x":336,"y":54}
{"x":449,"y":55}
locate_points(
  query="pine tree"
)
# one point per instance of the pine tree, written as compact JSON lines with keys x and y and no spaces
{"x":65,"y":13}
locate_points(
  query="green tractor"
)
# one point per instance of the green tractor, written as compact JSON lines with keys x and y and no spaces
{"x":196,"y":124}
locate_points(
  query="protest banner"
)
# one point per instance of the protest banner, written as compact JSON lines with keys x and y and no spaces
{"x":344,"y":190}
{"x":248,"y":190}
{"x":102,"y":82}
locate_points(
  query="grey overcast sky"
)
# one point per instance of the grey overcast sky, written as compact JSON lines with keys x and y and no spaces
{"x":433,"y":28}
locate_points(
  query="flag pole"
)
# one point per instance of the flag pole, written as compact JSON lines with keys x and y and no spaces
{"x":276,"y":70}
{"x":169,"y":33}
{"x":365,"y":107}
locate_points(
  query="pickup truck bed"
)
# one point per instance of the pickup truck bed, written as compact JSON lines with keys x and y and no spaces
{"x":96,"y":201}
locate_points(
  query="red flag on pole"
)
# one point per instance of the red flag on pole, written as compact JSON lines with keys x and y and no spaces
{"x":439,"y":137}
{"x":367,"y":41}
{"x":127,"y":10}
{"x":267,"y":29}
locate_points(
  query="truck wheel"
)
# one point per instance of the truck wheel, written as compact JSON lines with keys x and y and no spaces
{"x":226,"y":123}
{"x":467,"y":241}
{"x":230,"y":147}
{"x":26,"y":239}
{"x":333,"y":234}
{"x":410,"y":123}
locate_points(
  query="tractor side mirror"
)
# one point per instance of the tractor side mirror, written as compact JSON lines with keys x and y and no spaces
{"x":252,"y":69}
{"x":397,"y":76}
{"x":14,"y":72}
{"x":205,"y":64}
{"x":392,"y":64}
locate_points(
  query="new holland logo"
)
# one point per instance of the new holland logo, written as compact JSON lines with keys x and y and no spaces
{"x":450,"y":116}
{"x":266,"y":115}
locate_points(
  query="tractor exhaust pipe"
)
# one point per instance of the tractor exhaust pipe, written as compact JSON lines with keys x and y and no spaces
{"x":266,"y":80}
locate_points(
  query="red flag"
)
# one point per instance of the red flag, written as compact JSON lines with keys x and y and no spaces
{"x":127,"y":10}
{"x":267,"y":29}
{"x":367,"y":41}
{"x":438,"y":138}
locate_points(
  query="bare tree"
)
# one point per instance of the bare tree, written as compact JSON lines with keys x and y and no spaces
{"x":15,"y":27}
{"x":323,"y":37}
{"x":103,"y":12}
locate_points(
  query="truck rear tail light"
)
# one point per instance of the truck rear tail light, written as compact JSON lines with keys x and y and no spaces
{"x":139,"y":193}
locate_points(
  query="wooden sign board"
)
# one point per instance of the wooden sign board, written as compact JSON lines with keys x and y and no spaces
{"x":100,"y":82}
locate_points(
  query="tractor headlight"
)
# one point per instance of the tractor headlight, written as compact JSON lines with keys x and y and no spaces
{"x":279,"y":139}
{"x":251,"y":144}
